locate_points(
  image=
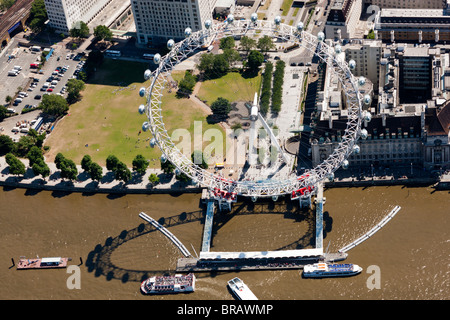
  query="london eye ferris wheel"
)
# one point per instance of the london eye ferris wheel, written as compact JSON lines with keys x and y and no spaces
{"x":295,"y":185}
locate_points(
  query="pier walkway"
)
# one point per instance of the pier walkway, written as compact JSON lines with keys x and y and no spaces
{"x":319,"y":217}
{"x":372,"y":231}
{"x":167,"y":233}
{"x":302,"y":253}
{"x":207,"y":231}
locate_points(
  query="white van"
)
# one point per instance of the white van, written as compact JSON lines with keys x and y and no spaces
{"x":11,"y":110}
{"x":54,"y":82}
{"x":17,"y":68}
{"x":46,"y":85}
{"x":12,"y":73}
{"x":21,"y":93}
{"x":18,"y":100}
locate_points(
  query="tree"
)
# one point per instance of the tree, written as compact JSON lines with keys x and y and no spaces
{"x":3,"y":112}
{"x":236,"y":126}
{"x":41,"y":168}
{"x":221,"y":107}
{"x":54,"y":105}
{"x":232,"y":56}
{"x":38,"y":138}
{"x":186,"y":84}
{"x":95,"y":171}
{"x":86,"y":162}
{"x":265,"y":44}
{"x":59,"y":160}
{"x":182,"y":177}
{"x":122,"y":172}
{"x":213,"y":65}
{"x":38,"y":16}
{"x":227,"y":43}
{"x":167,"y":167}
{"x":103,"y":33}
{"x":23,"y":146}
{"x":34,"y":155}
{"x":74,"y":87}
{"x":140,"y":164}
{"x":82,"y":76}
{"x":221,"y":65}
{"x":8,"y":99}
{"x":247,"y":44}
{"x":16,"y":166}
{"x":111,"y":162}
{"x":153,"y":178}
{"x":6,"y":144}
{"x":254,"y":60}
{"x":6,"y":4}
{"x":79,"y":30}
{"x":68,"y":169}
{"x":206,"y":62}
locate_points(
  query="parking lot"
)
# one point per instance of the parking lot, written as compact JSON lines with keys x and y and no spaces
{"x":30,"y":80}
{"x":34,"y":83}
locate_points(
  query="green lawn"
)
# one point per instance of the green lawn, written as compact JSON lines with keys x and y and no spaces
{"x":233,"y":87}
{"x":106,"y":121}
{"x":286,"y":6}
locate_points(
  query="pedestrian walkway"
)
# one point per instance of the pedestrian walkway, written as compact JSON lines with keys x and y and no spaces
{"x":207,"y":232}
{"x":138,"y":183}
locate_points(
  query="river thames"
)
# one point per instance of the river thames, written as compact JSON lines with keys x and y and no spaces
{"x":115,"y":249}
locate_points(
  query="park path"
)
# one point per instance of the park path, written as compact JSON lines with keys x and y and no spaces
{"x":193,"y":97}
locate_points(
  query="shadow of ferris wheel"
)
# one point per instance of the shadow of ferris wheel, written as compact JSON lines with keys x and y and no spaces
{"x":99,"y":260}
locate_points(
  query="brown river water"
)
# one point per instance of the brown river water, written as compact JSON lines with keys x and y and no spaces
{"x":116,"y":249}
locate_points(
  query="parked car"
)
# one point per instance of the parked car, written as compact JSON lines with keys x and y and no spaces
{"x":37,"y":97}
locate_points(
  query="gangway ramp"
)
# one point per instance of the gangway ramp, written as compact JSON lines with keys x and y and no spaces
{"x":207,"y":231}
{"x":167,"y":233}
{"x":372,"y":231}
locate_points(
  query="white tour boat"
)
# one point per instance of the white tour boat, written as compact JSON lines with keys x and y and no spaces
{"x":321,"y":270}
{"x":169,"y":284}
{"x":240,"y":289}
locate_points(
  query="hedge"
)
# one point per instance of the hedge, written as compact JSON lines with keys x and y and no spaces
{"x":277,"y":89}
{"x":266,"y":87}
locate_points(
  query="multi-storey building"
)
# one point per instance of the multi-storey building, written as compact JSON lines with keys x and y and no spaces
{"x":408,"y":4}
{"x":344,"y":16}
{"x":391,"y":141}
{"x":160,"y":20}
{"x":64,"y":14}
{"x":437,"y":143}
{"x":403,"y":132}
{"x":413,"y":25}
{"x":415,"y":75}
{"x":366,"y":54}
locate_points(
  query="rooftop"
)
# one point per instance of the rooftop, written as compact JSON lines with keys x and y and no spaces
{"x":438,"y":122}
{"x":416,"y":52}
{"x":412,"y":13}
